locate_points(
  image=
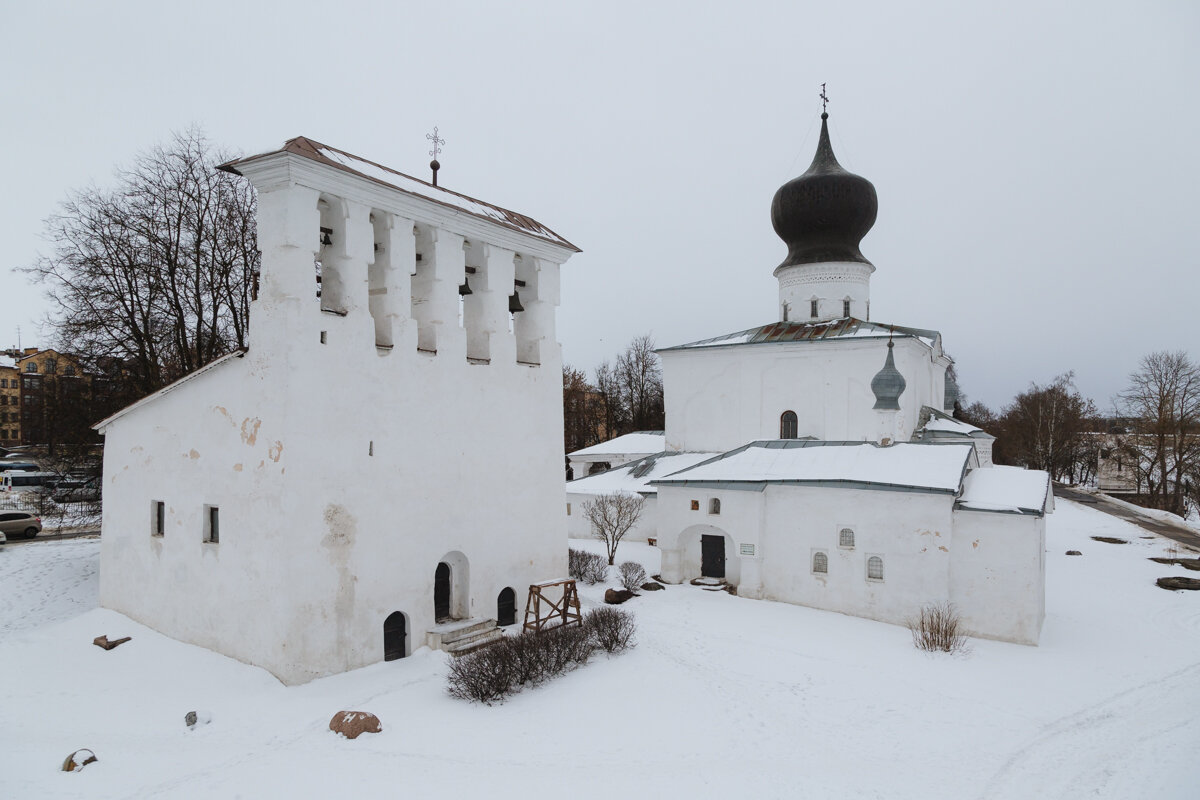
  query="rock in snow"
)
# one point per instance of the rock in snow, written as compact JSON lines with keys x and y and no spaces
{"x":351,"y":723}
{"x":194,"y":718}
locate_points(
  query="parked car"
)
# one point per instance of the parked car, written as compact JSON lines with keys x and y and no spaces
{"x":19,"y":525}
{"x":76,"y":491}
{"x":27,"y":481}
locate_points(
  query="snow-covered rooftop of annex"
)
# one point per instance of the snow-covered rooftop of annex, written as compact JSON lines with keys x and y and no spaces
{"x":844,"y":328}
{"x":628,"y":444}
{"x":1010,"y":489}
{"x":943,"y":423}
{"x":321,"y":153}
{"x":906,"y":466}
{"x":635,"y":476}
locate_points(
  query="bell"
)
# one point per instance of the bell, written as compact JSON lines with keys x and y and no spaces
{"x":514,"y":302}
{"x":465,"y":289}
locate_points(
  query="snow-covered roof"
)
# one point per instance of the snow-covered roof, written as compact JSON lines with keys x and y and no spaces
{"x":8,"y":361}
{"x":844,"y":328}
{"x":907,"y":466}
{"x":630,"y":444}
{"x":635,"y":476}
{"x":941,"y":423}
{"x":1009,"y":489}
{"x":331,"y":156}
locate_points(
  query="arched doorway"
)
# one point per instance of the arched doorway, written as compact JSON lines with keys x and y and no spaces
{"x":395,"y":633}
{"x":506,"y":607}
{"x":441,"y":592}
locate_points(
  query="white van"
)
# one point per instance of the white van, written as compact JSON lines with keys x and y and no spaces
{"x":12,"y":481}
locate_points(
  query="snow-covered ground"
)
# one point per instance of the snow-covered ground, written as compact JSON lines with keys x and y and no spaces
{"x":723,"y":696}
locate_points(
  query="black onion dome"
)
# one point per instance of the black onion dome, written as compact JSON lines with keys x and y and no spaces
{"x":825,"y":213}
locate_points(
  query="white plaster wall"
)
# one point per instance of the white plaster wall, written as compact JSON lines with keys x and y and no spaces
{"x":320,"y":539}
{"x":578,"y":526}
{"x":720,"y":398}
{"x":989,"y":565}
{"x":998,"y":574}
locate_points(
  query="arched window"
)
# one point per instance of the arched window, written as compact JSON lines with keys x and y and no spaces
{"x":875,"y":568}
{"x":31,"y":366}
{"x":788,"y":425}
{"x":69,"y":370}
{"x":820,"y":563}
{"x":812,"y":308}
{"x":846,"y":538}
{"x":714,"y":505}
{"x":506,"y":607}
{"x":846,"y":307}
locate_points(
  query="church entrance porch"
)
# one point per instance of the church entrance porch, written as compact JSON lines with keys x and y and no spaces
{"x":712,"y":556}
{"x":451,"y":588}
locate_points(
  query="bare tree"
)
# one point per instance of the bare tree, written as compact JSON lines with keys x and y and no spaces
{"x":1046,"y":428}
{"x":156,"y":272}
{"x":1163,"y":396}
{"x":583,"y":411}
{"x":631,"y":389}
{"x":611,"y":516}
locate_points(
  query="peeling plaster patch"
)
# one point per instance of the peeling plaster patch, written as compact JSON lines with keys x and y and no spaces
{"x":975,"y":543}
{"x":193,"y":455}
{"x":276,"y":451}
{"x":943,"y":549}
{"x":250,"y":427}
{"x":923,"y":549}
{"x":237,"y":467}
{"x":261,"y":464}
{"x":136,"y":449}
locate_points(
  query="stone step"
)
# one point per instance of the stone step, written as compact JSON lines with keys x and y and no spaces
{"x":477,"y":642}
{"x":443,"y":635}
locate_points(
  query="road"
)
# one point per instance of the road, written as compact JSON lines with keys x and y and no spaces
{"x":47,"y":537}
{"x":1177,"y":533}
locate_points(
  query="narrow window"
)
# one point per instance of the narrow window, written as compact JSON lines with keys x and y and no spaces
{"x":160,"y":517}
{"x":820,"y":563}
{"x":568,"y":509}
{"x":323,"y":337}
{"x":846,"y":307}
{"x":875,"y":568}
{"x":212,"y":524}
{"x":789,"y":426}
{"x":714,"y":505}
{"x":371,"y":448}
{"x":846,"y":538}
{"x":812,"y":308}
{"x":785,"y":310}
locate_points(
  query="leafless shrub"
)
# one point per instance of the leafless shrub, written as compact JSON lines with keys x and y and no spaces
{"x":587,"y":567}
{"x":633,"y":575}
{"x":611,"y":517}
{"x":528,"y":659}
{"x":485,"y":676}
{"x":610,"y":628}
{"x":936,"y":630}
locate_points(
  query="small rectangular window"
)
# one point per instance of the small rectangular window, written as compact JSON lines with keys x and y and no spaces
{"x":845,"y":308}
{"x":568,"y":509}
{"x":812,"y":306}
{"x":160,"y":517}
{"x":212,"y":524}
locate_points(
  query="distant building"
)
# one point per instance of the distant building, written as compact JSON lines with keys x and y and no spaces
{"x":347,"y":490}
{"x":41,"y":394}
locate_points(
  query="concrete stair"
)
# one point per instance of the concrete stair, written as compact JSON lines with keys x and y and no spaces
{"x":462,"y":636}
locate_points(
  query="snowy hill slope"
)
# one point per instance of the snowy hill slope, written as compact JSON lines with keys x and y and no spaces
{"x":721,"y":695}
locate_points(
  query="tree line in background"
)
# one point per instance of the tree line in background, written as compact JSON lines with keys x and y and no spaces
{"x":1154,"y":431}
{"x":625,"y":395}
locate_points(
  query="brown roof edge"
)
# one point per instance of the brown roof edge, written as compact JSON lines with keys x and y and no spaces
{"x":310,"y":149}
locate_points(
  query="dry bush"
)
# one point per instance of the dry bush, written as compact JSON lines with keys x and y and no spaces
{"x":485,"y":676}
{"x":527,"y":659}
{"x":587,"y":567}
{"x":610,"y":628}
{"x":633,"y":575}
{"x":936,"y":630}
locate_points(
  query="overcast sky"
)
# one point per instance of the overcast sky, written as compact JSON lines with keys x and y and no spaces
{"x":1037,"y":164}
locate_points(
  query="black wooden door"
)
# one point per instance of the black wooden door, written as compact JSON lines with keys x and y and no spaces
{"x":393,"y":637}
{"x":441,"y":592}
{"x":506,"y":607}
{"x":712,"y":556}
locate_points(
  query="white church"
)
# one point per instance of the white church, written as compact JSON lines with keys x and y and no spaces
{"x":814,"y":460}
{"x":335,"y":495}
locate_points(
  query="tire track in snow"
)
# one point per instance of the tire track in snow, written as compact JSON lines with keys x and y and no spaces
{"x":1050,"y":764}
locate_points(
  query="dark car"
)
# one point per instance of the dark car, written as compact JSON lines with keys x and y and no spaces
{"x":19,"y":525}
